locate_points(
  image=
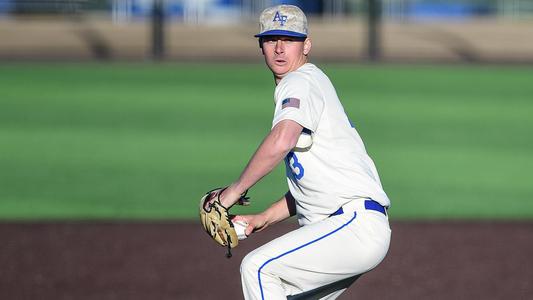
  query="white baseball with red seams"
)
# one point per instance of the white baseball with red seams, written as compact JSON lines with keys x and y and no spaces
{"x":239,"y":224}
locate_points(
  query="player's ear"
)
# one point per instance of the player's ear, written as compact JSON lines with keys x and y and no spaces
{"x":307,"y":46}
{"x":261,"y":46}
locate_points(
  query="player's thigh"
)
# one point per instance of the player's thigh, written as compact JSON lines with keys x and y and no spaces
{"x":316,"y":254}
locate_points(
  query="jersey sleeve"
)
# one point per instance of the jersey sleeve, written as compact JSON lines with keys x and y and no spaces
{"x":295,"y":100}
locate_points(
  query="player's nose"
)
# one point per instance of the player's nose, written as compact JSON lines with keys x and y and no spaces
{"x":279,"y":46}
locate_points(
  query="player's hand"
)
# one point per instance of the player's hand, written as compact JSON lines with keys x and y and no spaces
{"x":256,"y":223}
{"x":229,"y":196}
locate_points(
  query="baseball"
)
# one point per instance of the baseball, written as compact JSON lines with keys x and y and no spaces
{"x":240,"y":228}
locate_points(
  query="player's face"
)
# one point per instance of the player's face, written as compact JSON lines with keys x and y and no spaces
{"x":285,"y":54}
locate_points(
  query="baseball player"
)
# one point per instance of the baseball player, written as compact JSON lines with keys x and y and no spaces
{"x":334,"y":188}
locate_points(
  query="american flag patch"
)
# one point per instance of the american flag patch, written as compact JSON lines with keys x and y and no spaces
{"x":290,"y":102}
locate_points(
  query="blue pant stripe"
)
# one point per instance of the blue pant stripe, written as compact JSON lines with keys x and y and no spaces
{"x":297,"y":248}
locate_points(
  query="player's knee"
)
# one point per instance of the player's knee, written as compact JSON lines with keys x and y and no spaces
{"x":250,"y":265}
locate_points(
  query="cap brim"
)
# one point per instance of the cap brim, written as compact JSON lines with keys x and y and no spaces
{"x":282,"y":33}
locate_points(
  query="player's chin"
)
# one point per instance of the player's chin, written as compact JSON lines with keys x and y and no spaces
{"x":279,"y":71}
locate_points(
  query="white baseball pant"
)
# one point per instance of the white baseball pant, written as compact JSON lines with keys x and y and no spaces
{"x":315,"y":255}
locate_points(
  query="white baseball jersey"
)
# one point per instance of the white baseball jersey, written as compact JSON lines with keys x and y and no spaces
{"x":336,"y":168}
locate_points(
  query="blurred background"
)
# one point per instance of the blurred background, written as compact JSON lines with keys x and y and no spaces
{"x":109,"y":108}
{"x":344,"y":30}
{"x":116,"y":116}
{"x":121,"y":96}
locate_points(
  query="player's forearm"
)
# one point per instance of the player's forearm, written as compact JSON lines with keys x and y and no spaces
{"x":280,"y":210}
{"x":270,"y":153}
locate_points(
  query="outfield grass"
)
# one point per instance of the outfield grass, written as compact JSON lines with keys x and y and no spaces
{"x":144,"y":141}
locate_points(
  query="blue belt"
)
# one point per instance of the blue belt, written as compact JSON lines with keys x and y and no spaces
{"x":369,"y":204}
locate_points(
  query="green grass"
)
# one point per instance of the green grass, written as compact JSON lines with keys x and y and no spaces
{"x":144,"y":141}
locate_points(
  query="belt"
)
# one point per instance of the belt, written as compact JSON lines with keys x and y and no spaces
{"x":369,"y":204}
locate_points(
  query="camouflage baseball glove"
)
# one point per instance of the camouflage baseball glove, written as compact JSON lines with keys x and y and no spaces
{"x":216,"y":219}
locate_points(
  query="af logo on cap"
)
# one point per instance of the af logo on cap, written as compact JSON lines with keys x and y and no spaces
{"x":280,"y":18}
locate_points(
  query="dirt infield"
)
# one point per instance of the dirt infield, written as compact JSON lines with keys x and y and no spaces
{"x":454,"y":260}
